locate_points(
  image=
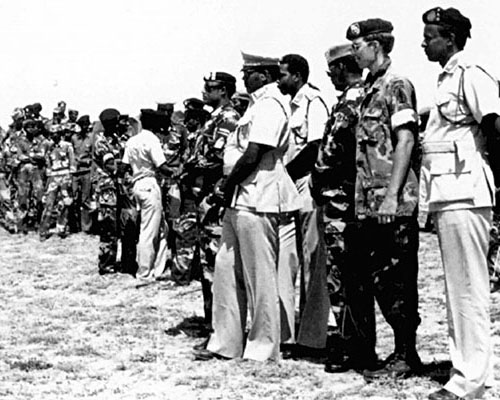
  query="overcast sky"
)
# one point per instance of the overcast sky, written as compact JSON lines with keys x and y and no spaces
{"x":129,"y":54}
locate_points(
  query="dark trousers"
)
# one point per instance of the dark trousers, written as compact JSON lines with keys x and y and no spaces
{"x":382,"y":264}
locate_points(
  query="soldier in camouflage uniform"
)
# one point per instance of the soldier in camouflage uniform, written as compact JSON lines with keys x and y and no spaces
{"x":209,"y":151}
{"x":10,"y":206}
{"x":382,"y":244}
{"x":332,"y":184}
{"x":58,"y":194}
{"x":81,"y":140}
{"x":117,"y":212}
{"x":33,"y":148}
{"x":185,"y":227}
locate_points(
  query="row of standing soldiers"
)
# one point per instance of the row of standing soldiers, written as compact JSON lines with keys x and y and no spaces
{"x":63,"y":175}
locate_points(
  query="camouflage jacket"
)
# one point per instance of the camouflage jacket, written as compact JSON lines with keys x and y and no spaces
{"x":389,"y":104}
{"x":207,"y":155}
{"x":209,"y":145}
{"x":334,"y":175}
{"x":82,"y":145}
{"x":60,"y":159}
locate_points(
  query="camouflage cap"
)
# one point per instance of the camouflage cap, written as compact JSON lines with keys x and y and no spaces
{"x":17,"y":114}
{"x":368,"y":27}
{"x":252,"y":61}
{"x":449,"y":18}
{"x":73,"y":112}
{"x":337,"y":52}
{"x":220,"y":77}
{"x":37,"y":107}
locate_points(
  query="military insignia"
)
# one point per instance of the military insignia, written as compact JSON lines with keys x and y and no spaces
{"x":355,"y":29}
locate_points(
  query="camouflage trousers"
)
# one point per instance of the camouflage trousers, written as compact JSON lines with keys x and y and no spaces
{"x":81,"y":210}
{"x":196,"y":240}
{"x":30,"y":192}
{"x":115,"y":227}
{"x":8,"y":210}
{"x":494,"y":253}
{"x":380,"y":262}
{"x":56,"y":199}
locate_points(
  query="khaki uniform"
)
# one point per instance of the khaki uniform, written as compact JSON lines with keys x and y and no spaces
{"x":247,"y":262}
{"x":457,"y":186}
{"x":307,"y":124}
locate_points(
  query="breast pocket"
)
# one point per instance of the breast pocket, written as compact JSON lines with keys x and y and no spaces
{"x":453,"y":110}
{"x":373,"y":129}
{"x":450,"y":171}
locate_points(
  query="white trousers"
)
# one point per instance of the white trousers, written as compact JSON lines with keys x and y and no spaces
{"x":152,"y":251}
{"x":246,"y":278}
{"x":302,"y":244}
{"x":463,"y":240}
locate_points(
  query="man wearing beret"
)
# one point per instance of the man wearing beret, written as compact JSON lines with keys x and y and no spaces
{"x":332,"y":185}
{"x":112,"y":197}
{"x":458,"y":185}
{"x":383,"y":242}
{"x":306,"y":125}
{"x":257,"y":192}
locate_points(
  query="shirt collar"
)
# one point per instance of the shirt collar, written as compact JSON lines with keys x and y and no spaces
{"x":299,"y":96}
{"x":370,"y":79}
{"x":452,"y":63}
{"x":264,"y":90}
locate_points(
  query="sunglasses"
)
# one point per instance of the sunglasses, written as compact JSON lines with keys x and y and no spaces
{"x":209,"y":88}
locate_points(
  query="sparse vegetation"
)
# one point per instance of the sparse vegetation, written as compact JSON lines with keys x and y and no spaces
{"x":66,"y":333}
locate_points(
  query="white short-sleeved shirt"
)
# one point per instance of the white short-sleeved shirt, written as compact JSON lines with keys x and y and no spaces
{"x":307,"y":124}
{"x":453,"y":127}
{"x":144,"y":154}
{"x":269,"y":189}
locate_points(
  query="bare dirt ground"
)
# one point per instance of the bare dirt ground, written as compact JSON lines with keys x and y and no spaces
{"x":68,"y":333}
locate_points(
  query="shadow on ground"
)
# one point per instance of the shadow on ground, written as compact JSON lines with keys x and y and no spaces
{"x":438,"y":371}
{"x":194,"y":327}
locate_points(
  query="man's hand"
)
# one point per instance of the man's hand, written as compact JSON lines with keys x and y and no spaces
{"x":387,"y":210}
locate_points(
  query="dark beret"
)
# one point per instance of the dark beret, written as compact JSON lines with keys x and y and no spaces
{"x":193,"y":104}
{"x":109,"y":114}
{"x":368,"y":27}
{"x":220,"y":77}
{"x":449,"y":18}
{"x":84,"y":120}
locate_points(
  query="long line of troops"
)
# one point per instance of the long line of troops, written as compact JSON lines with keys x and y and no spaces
{"x":270,"y":185}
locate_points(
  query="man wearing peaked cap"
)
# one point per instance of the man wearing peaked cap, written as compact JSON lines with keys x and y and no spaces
{"x":383,"y":244}
{"x":465,"y":115}
{"x":332,"y":185}
{"x":250,"y":61}
{"x":256,"y":193}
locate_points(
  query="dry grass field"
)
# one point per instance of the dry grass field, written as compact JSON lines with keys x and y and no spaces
{"x":68,"y":333}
